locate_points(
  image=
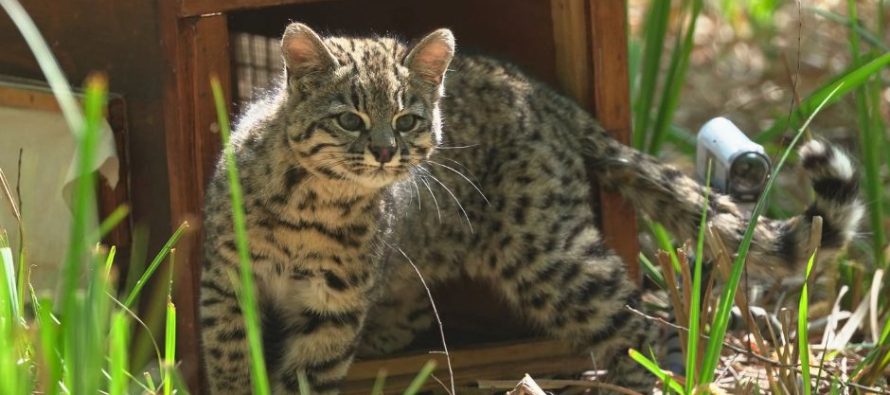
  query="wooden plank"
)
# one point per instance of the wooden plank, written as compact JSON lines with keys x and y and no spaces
{"x":211,"y":56}
{"x":197,"y":47}
{"x":207,"y":7}
{"x":504,"y":361}
{"x":611,"y":106}
{"x":591,"y":64}
{"x":110,"y":199}
{"x":30,"y":99}
{"x":573,"y":63}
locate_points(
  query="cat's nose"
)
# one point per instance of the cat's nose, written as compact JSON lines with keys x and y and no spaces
{"x":383,"y":153}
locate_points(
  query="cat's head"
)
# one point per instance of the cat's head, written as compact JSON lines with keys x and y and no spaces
{"x":363,"y":109}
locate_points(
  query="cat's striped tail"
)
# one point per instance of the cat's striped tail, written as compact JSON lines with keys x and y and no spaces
{"x":668,"y":196}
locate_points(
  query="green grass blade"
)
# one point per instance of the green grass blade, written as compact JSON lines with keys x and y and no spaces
{"x":170,"y":333}
{"x":113,"y":219}
{"x":695,"y":303}
{"x":656,"y":27}
{"x":634,"y":52}
{"x":303,"y":383}
{"x":155,"y":263}
{"x":170,"y":349}
{"x":138,"y":255}
{"x":663,"y":238}
{"x":109,"y":261}
{"x":118,"y":358}
{"x":652,"y":272}
{"x":870,"y":145}
{"x":885,"y":333}
{"x":9,"y":297}
{"x":48,"y":330}
{"x":422,"y":376}
{"x":657,"y":371}
{"x":803,"y":343}
{"x":870,"y":37}
{"x":674,"y":84}
{"x":763,"y":11}
{"x":149,"y":382}
{"x":83,"y":200}
{"x":247,"y":295}
{"x":8,"y":319}
{"x":77,"y":324}
{"x":841,"y":85}
{"x":721,"y":318}
{"x":835,"y":386}
{"x":379,"y":382}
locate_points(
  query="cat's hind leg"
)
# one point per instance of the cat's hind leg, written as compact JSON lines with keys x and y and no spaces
{"x":579,"y":292}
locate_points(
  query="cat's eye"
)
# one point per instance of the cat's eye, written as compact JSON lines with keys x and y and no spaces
{"x":406,"y":122}
{"x":350,"y":121}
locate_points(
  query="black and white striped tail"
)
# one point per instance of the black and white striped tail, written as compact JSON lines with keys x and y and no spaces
{"x":664,"y":194}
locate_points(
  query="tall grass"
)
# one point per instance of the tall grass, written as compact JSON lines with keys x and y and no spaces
{"x":695,"y":304}
{"x":803,"y":343}
{"x":702,"y":376}
{"x":81,"y":346}
{"x":720,"y":322}
{"x":652,"y":119}
{"x":871,"y":145}
{"x":247,"y":290}
{"x":861,"y":79}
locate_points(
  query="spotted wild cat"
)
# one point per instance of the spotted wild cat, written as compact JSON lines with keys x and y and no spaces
{"x":370,"y":153}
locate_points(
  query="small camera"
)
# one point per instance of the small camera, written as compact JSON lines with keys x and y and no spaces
{"x":740,"y":167}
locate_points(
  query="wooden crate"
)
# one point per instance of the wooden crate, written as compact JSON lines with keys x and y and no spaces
{"x":578,"y":45}
{"x":159,"y":55}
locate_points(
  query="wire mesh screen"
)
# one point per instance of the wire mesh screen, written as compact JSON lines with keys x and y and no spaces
{"x":257,"y":64}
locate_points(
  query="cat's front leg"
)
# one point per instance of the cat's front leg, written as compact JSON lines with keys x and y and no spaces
{"x":401,"y":313}
{"x":225,"y":349}
{"x":312,"y":327}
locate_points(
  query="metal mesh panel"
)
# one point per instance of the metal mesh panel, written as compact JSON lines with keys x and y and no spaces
{"x":258,"y":64}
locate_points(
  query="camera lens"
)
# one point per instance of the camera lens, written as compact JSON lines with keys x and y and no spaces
{"x":748,"y":173}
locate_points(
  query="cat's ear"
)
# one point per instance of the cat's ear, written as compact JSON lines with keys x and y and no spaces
{"x":304,"y":52}
{"x":429,"y":59}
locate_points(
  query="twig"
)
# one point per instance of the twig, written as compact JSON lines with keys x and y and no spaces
{"x":429,"y":294}
{"x":873,"y":390}
{"x":21,"y":204}
{"x":706,"y":337}
{"x":670,"y":279}
{"x":444,"y":387}
{"x":8,"y":193}
{"x":796,"y":80}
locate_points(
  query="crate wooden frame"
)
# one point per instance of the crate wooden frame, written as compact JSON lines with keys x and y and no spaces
{"x":591,"y":64}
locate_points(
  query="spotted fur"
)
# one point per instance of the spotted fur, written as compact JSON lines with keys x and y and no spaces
{"x":488,"y":182}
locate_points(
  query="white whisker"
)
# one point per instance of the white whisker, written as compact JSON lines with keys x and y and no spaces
{"x":464,"y":177}
{"x":453,"y":196}
{"x":457,"y":147}
{"x":417,"y":190}
{"x":433,"y":195}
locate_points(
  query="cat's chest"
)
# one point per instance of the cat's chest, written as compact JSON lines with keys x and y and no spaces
{"x":327,"y":257}
{"x":323,"y":282}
